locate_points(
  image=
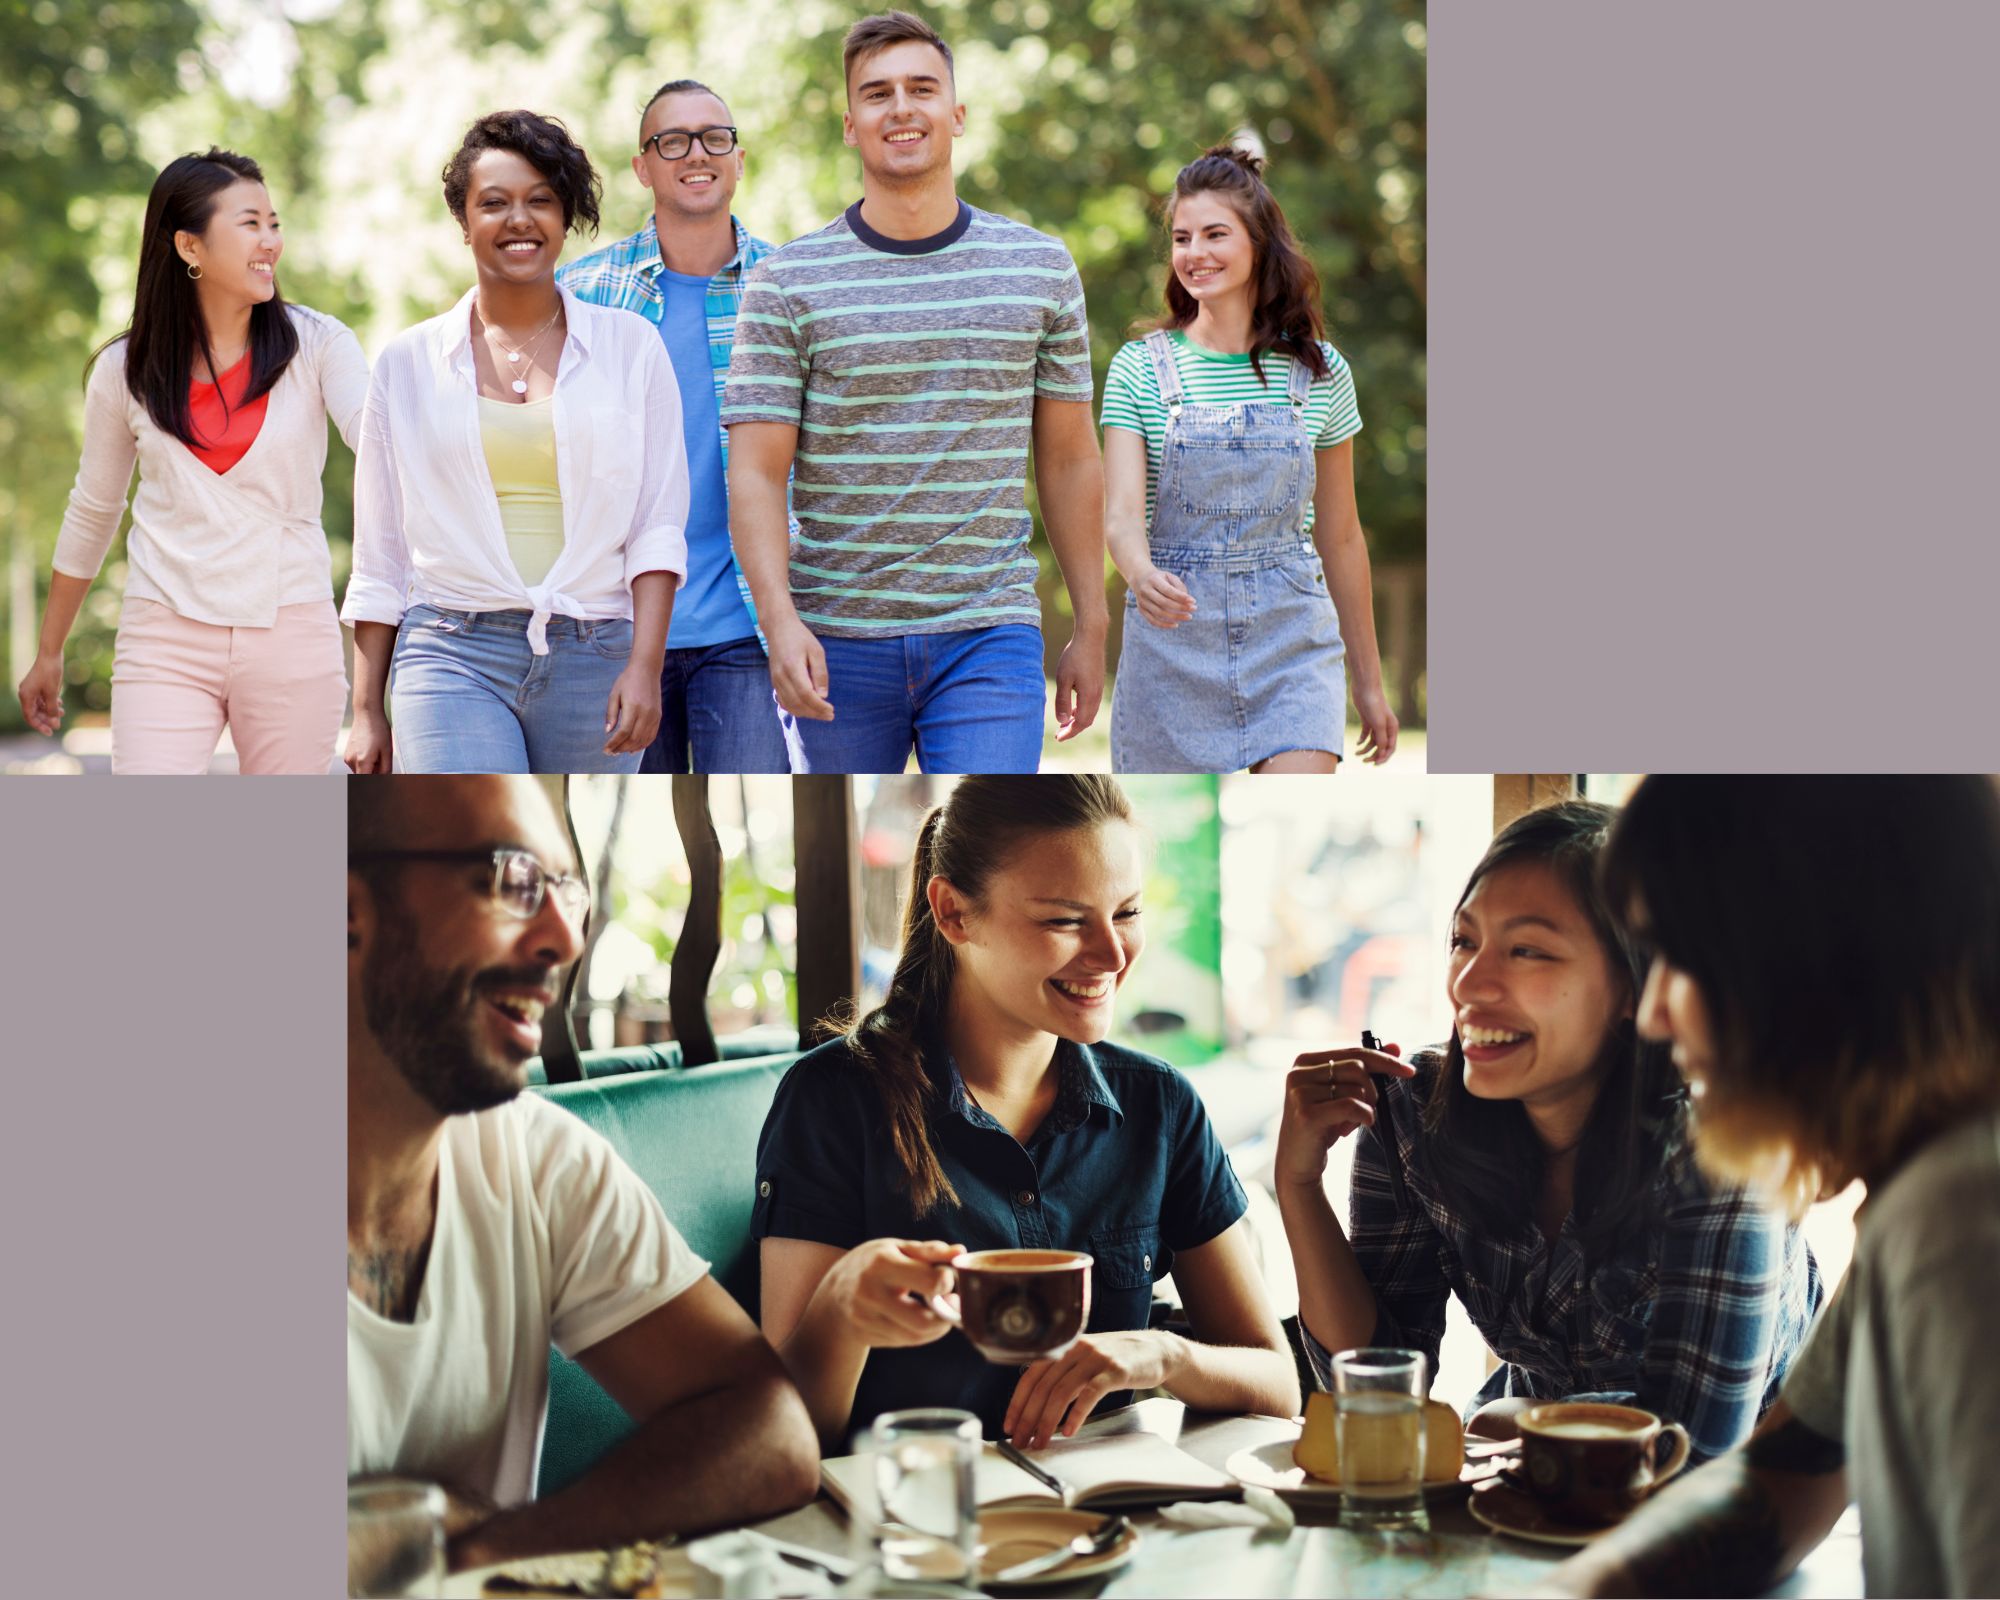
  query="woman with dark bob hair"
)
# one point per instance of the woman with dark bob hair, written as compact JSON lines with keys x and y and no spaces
{"x":981,"y":1107}
{"x":1827,"y":973}
{"x":520,"y":497}
{"x":1229,"y":504}
{"x":221,"y":392}
{"x":1537,"y":1167}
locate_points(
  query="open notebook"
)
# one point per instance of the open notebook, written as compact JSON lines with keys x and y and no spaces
{"x":1119,"y":1469}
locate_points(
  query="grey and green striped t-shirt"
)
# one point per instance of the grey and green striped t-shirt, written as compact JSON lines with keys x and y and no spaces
{"x":1132,"y":398}
{"x":911,"y":367}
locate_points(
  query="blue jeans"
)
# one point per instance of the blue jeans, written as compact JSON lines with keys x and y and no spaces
{"x":467,"y":695}
{"x":716,"y":707}
{"x":966,"y":702}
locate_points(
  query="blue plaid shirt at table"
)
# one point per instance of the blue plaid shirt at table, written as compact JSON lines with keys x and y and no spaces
{"x":626,"y":275}
{"x":1696,"y":1319}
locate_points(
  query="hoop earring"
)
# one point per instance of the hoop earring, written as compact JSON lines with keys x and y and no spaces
{"x":194,"y":272}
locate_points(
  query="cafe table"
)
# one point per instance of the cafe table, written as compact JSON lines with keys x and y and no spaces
{"x":1459,"y":1556}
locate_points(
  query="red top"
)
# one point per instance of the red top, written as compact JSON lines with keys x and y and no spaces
{"x":222,"y":447}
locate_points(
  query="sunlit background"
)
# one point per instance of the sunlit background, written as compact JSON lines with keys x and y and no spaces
{"x":1282,"y":915}
{"x":1079,"y":116}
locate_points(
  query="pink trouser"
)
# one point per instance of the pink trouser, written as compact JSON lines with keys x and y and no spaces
{"x":175,"y":682}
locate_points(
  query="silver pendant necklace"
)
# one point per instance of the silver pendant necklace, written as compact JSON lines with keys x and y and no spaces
{"x":520,"y":383}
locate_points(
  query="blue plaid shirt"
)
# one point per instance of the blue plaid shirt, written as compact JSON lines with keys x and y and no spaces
{"x":626,"y":275}
{"x":1696,"y":1319}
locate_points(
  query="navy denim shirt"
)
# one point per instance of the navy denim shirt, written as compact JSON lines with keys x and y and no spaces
{"x":1125,"y":1166}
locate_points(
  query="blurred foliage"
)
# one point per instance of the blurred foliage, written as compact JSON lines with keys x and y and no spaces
{"x":1079,"y":115}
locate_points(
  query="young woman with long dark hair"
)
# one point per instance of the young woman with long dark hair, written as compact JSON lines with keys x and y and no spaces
{"x":1537,"y":1168}
{"x":979,"y":1107}
{"x":221,"y":392}
{"x":1229,"y":505}
{"x":520,"y":497}
{"x":1827,"y":976}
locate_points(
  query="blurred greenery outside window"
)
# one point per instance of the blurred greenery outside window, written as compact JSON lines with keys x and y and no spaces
{"x":623,"y":990}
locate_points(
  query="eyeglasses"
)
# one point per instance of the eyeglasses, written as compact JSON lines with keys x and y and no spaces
{"x":673,"y":143}
{"x":520,"y":882}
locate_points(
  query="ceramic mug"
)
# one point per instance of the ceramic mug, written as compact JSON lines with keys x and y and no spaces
{"x":1590,"y":1462}
{"x":1020,"y":1306}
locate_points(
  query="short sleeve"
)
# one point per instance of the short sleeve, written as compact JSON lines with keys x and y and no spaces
{"x":1343,"y":418}
{"x":1062,"y":360}
{"x":810,"y":1154}
{"x":613,"y":1255}
{"x":769,"y":363}
{"x":1816,"y":1386}
{"x":1203,"y":1197}
{"x":1131,"y":390}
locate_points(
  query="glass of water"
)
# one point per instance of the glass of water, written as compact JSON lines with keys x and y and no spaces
{"x":395,"y":1538}
{"x":926,"y":1516}
{"x":1378,"y":1422}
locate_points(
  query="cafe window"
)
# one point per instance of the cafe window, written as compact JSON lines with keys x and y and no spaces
{"x":1172,"y":1005}
{"x":632,"y":846}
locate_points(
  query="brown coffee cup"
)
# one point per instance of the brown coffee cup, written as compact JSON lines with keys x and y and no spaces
{"x":1590,"y":1462}
{"x":1021,"y":1306}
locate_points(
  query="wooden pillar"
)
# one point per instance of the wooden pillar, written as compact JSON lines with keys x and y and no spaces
{"x":700,"y":943}
{"x":826,"y":847}
{"x":562,"y":1061}
{"x":1516,"y":794}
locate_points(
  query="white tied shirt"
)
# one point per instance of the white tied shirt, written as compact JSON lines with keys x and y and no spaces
{"x":223,"y":548}
{"x":543,"y":1235}
{"x":426,"y":523}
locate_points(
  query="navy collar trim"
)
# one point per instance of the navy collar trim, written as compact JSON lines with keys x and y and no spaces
{"x":909,"y":247}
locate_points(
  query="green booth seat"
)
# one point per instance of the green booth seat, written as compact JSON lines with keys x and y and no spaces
{"x":692,"y":1138}
{"x":666,"y":1057}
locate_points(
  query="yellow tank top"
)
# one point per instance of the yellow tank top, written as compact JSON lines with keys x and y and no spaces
{"x":520,"y":443}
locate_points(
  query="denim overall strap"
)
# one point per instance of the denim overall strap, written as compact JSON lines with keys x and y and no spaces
{"x":1161,"y":349}
{"x":1301,"y":385}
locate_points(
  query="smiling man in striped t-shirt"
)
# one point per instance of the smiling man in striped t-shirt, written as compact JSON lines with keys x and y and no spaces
{"x":904,"y":359}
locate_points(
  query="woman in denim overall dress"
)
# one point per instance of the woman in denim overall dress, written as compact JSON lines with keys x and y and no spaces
{"x":1233,"y":647}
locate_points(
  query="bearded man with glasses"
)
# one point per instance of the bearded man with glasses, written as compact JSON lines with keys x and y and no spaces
{"x":683,"y":272}
{"x":484,"y":1224}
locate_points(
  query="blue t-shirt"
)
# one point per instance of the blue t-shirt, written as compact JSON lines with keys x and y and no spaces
{"x":708,"y":609}
{"x":1126,"y":1166}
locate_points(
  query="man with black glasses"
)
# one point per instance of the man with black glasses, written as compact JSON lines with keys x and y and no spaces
{"x":684,"y":273}
{"x":484,"y":1224}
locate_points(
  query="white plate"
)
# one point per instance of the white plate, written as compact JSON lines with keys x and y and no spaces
{"x":1007,"y":1538}
{"x":1270,"y":1466}
{"x":676,"y":1574}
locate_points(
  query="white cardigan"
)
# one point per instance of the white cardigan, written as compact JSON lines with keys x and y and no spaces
{"x":225,"y":548}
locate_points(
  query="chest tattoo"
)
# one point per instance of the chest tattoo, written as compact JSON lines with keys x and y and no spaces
{"x":388,"y":1281}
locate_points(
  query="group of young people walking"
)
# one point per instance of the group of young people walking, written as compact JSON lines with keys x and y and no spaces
{"x":776,"y":520}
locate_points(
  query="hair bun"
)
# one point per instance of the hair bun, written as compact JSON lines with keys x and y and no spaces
{"x":1248,"y":160}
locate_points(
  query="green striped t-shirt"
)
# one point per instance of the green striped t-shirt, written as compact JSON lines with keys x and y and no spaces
{"x":911,"y":367}
{"x":1132,"y":396}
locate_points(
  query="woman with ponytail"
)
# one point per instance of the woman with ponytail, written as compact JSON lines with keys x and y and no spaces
{"x":1537,"y":1167}
{"x":1229,"y":505}
{"x":979,"y":1107}
{"x":221,"y":392}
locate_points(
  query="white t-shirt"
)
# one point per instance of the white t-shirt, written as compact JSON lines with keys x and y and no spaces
{"x":543,"y":1235}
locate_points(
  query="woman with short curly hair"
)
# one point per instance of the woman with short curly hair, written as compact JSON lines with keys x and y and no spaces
{"x":520,"y":497}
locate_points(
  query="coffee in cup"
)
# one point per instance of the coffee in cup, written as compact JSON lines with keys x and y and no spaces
{"x":1022,"y":1306}
{"x":1592,"y":1462}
